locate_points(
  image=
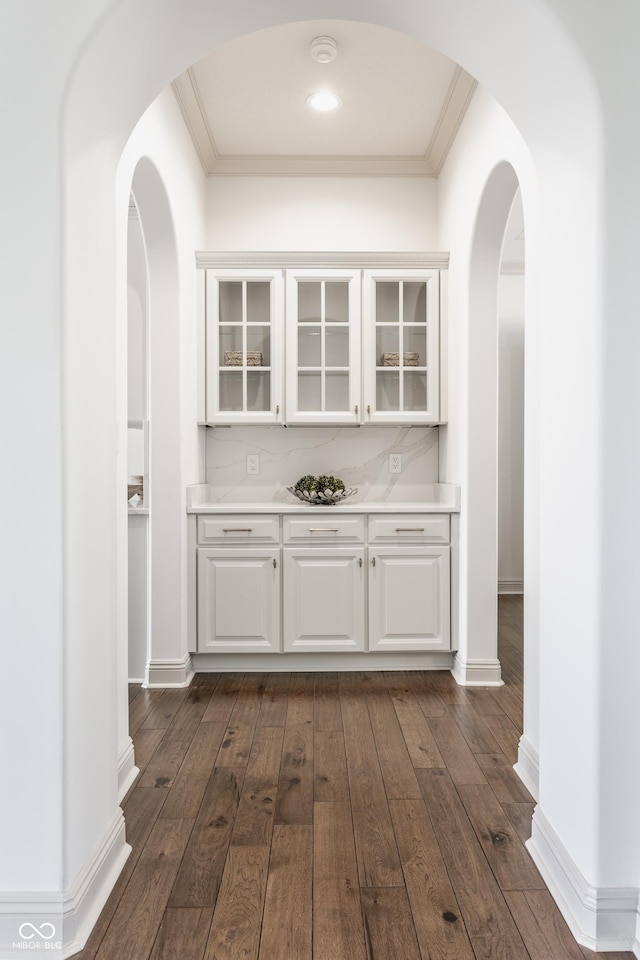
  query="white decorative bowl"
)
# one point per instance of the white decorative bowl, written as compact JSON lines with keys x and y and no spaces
{"x":325,"y":498}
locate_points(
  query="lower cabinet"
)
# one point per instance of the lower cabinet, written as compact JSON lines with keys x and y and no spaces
{"x":239,"y":600}
{"x":324,"y":599}
{"x":387,"y":591}
{"x":409,"y":598}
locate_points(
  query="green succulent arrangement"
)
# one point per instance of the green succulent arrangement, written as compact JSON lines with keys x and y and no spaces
{"x":310,"y":483}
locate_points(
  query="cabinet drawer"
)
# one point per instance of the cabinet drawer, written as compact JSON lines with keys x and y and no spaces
{"x":424,"y":528}
{"x":323,"y":527}
{"x":230,"y":529}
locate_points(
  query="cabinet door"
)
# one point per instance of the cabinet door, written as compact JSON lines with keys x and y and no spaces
{"x":244,"y":314}
{"x":323,"y":346}
{"x":323,"y":599}
{"x":238,"y":601}
{"x":401,"y":346}
{"x":409,"y":598}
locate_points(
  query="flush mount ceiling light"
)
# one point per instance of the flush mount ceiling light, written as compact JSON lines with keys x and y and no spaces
{"x":324,"y":101}
{"x":323,"y":49}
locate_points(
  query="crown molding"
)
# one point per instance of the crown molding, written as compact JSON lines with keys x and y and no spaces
{"x":292,"y":260}
{"x":459,"y":96}
{"x":512,"y":268}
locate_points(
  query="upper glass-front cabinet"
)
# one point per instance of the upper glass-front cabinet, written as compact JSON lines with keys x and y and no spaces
{"x":323,"y":346}
{"x":402,"y":356}
{"x":243,"y":345}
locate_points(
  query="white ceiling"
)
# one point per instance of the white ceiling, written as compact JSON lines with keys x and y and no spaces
{"x":402,"y":103}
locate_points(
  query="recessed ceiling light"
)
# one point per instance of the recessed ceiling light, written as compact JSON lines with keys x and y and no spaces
{"x":324,"y":101}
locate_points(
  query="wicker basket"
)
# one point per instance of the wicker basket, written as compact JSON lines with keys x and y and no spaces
{"x":393,"y":360}
{"x":233,"y":358}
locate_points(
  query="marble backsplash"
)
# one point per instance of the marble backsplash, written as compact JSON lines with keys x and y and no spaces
{"x":358,"y":455}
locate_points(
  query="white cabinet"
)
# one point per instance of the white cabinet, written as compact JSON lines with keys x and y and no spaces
{"x":361,"y":345}
{"x":324,"y":598}
{"x":409,"y":598}
{"x":401,"y":331}
{"x":239,"y":600}
{"x":323,"y":346}
{"x":327,"y":581}
{"x":243,"y":331}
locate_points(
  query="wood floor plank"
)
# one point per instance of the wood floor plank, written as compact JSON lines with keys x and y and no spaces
{"x":139,"y":914}
{"x":388,"y":925}
{"x":509,"y":699}
{"x":421,"y":685}
{"x":164,"y":764}
{"x":511,"y":864}
{"x":183,"y":933}
{"x":460,"y":762}
{"x":474,"y":729}
{"x":294,"y":802}
{"x":421,"y":745}
{"x":542,"y":927}
{"x":141,"y":706}
{"x":377,"y":854}
{"x":286,"y":925}
{"x":502,"y":778}
{"x":256,"y":809}
{"x":273,"y":710}
{"x":326,"y":703}
{"x":506,"y":734}
{"x":198,"y":879}
{"x":190,"y":783}
{"x":146,"y":744}
{"x":483,"y":702}
{"x":237,"y":921}
{"x":164,"y":709}
{"x":487,"y":918}
{"x":330,"y":780}
{"x":520,"y":815}
{"x":439,"y":927}
{"x":223,"y":698}
{"x":405,"y":703}
{"x":395,"y":763}
{"x":300,"y":705}
{"x":338,"y":930}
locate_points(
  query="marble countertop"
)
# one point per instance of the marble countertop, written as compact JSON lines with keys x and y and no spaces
{"x":446,"y":500}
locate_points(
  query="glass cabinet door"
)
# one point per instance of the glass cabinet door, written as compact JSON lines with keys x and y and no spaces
{"x":243,"y":347}
{"x":323,"y":355}
{"x":402,"y":364}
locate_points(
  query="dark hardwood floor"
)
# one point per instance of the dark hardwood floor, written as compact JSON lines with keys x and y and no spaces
{"x":366,"y":816}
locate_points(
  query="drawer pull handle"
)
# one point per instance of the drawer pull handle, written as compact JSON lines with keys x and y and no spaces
{"x":275,"y":563}
{"x":356,"y":409}
{"x":237,"y":529}
{"x":368,"y":408}
{"x":359,"y":561}
{"x":324,"y":530}
{"x":277,"y":409}
{"x":409,"y":529}
{"x":373,"y":562}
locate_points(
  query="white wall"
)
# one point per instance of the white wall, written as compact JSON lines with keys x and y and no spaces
{"x":321,"y":213}
{"x":511,"y":433}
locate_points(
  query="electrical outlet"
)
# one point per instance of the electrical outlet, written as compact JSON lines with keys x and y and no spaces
{"x":253,"y":463}
{"x":395,"y":463}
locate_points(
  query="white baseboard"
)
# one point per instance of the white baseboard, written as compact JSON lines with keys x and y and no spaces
{"x":476,"y":673}
{"x":528,"y":767}
{"x":510,"y":586}
{"x":302,"y":662}
{"x":127,"y":770}
{"x":52,"y":923}
{"x":169,"y":673}
{"x":600,"y":918}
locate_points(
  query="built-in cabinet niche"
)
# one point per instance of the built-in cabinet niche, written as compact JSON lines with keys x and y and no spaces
{"x":322,"y":339}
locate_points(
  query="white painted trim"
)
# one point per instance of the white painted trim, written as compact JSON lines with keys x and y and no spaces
{"x":127,"y":770}
{"x":477,"y":673}
{"x":303,"y":662}
{"x":528,"y":766}
{"x":87,"y":896}
{"x":512,"y":268}
{"x":600,"y":918}
{"x":169,"y":673}
{"x":73,"y":913}
{"x":320,"y":260}
{"x":507,"y":587}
